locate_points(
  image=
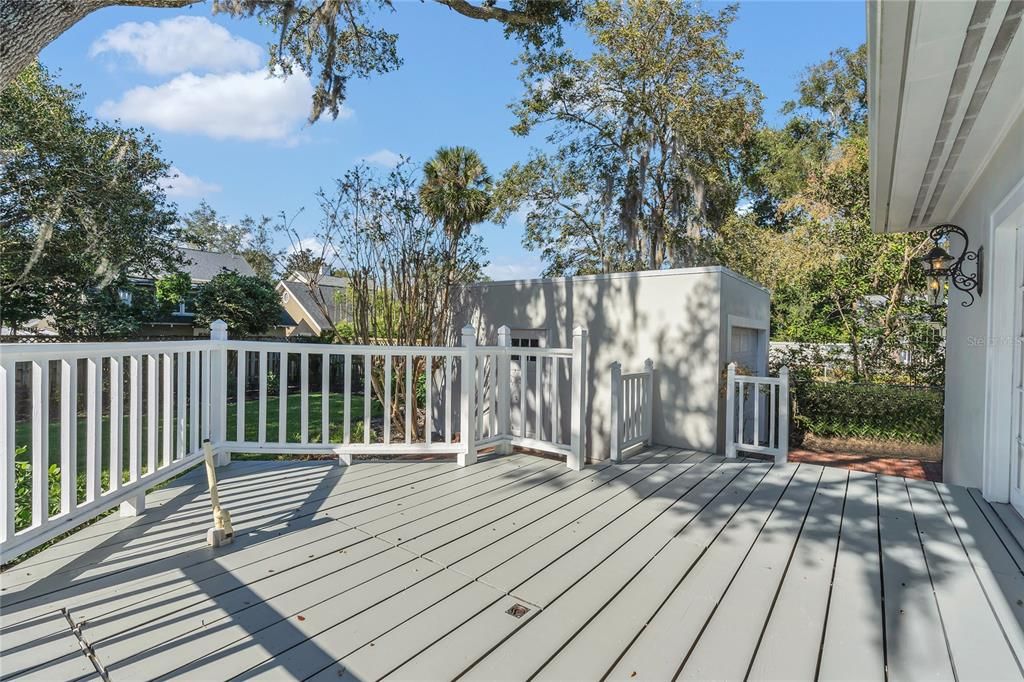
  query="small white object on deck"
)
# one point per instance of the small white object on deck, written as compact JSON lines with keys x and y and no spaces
{"x":222,"y":533}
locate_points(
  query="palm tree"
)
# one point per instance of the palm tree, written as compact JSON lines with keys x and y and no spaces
{"x":455,"y":193}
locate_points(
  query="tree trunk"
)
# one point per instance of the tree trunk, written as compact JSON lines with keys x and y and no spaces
{"x":28,"y":26}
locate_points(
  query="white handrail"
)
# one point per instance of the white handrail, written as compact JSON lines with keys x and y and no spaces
{"x":757,"y":414}
{"x":632,"y":408}
{"x":168,"y":397}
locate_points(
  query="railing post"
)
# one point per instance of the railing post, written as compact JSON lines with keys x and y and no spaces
{"x":649,"y":402}
{"x":730,"y":410}
{"x":503,"y":383}
{"x":217,"y":395}
{"x":783,"y":451}
{"x":616,"y":413}
{"x":467,"y":386}
{"x":578,"y":439}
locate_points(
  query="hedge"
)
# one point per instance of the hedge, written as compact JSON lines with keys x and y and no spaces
{"x":871,"y":411}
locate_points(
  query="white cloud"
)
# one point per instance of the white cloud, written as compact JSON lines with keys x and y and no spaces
{"x":246,"y":106}
{"x":180,"y":184}
{"x":183,"y":43}
{"x":522,"y":269}
{"x":382,"y":157}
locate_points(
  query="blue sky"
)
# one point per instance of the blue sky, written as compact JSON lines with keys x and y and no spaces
{"x":241,"y":141}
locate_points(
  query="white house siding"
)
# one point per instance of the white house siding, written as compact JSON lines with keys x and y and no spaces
{"x":677,"y":318}
{"x":978,"y":371}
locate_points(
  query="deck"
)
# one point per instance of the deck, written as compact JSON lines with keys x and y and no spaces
{"x":670,"y":565}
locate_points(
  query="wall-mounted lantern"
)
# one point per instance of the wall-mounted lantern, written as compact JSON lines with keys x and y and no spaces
{"x":941,"y":268}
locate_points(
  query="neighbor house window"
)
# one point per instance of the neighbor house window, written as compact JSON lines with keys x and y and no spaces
{"x":125,"y":296}
{"x":181,"y":311}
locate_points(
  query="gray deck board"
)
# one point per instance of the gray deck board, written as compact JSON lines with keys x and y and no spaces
{"x":672,"y":564}
{"x":914,"y":635}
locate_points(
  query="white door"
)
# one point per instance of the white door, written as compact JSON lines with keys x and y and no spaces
{"x":1017,"y":415}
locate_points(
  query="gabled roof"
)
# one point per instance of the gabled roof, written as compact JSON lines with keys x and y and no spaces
{"x":301,"y":295}
{"x":203,"y":266}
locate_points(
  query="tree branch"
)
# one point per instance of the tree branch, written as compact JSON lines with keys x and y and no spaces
{"x":486,"y":13}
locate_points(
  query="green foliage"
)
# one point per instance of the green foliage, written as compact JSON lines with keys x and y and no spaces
{"x":173,"y":288}
{"x":23,"y":488}
{"x":206,"y":230}
{"x":872,"y":411}
{"x":808,"y":234}
{"x":647,"y":130}
{"x":249,"y":305}
{"x":81,"y":208}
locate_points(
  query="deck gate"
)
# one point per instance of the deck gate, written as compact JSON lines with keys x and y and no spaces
{"x":757,"y":414}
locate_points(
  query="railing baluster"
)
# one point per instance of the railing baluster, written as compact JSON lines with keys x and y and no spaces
{"x":193,"y":401}
{"x":481,"y":368}
{"x":181,"y":393}
{"x":387,"y":398}
{"x":241,"y":358}
{"x":204,"y":392}
{"x":367,"y":397}
{"x":325,"y":391}
{"x":448,"y":399}
{"x":261,"y":409}
{"x":538,"y":393}
{"x":7,"y":444}
{"x":410,"y":399}
{"x":347,"y":436}
{"x":116,"y":420}
{"x":93,"y":427}
{"x":523,"y":374}
{"x":40,"y":441}
{"x":428,"y":405}
{"x":304,"y":397}
{"x":168,"y":434}
{"x":134,"y":421}
{"x":771,"y":416}
{"x":282,"y":399}
{"x":556,"y":402}
{"x":152,"y":412}
{"x":69,"y":435}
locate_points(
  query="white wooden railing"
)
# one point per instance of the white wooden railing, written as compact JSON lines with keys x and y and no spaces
{"x":757,"y":414}
{"x":170,"y":396}
{"x":632,"y":408}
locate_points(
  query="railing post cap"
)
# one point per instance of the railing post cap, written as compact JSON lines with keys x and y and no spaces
{"x":504,"y":329}
{"x":579,"y":330}
{"x":649,"y":364}
{"x":219,"y":330}
{"x":468,"y":329}
{"x":784,"y":371}
{"x":616,"y":364}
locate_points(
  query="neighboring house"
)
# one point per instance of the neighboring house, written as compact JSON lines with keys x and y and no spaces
{"x":302,"y":306}
{"x":691,"y":322}
{"x":946,"y":96}
{"x":201,"y":266}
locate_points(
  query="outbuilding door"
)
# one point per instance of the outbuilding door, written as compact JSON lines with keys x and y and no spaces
{"x":747,"y":349}
{"x":1017,"y":398}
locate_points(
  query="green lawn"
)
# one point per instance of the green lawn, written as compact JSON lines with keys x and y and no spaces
{"x":23,"y":429}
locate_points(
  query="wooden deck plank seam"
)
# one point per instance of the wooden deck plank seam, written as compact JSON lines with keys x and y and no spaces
{"x":499,"y":593}
{"x":981,"y":584}
{"x":997,"y":525}
{"x":630,"y":579}
{"x":411,"y":554}
{"x":739,"y":566}
{"x":309,"y":500}
{"x":688,"y":570}
{"x":931,"y":581}
{"x":831,"y":585}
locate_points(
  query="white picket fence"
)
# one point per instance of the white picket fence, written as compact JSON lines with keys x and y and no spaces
{"x":170,"y":396}
{"x":632,"y":408}
{"x":757,"y":414}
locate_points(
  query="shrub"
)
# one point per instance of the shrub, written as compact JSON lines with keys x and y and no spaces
{"x":250,"y":305}
{"x":872,"y":411}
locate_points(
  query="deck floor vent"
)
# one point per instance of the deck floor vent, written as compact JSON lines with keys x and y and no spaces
{"x":518,"y":611}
